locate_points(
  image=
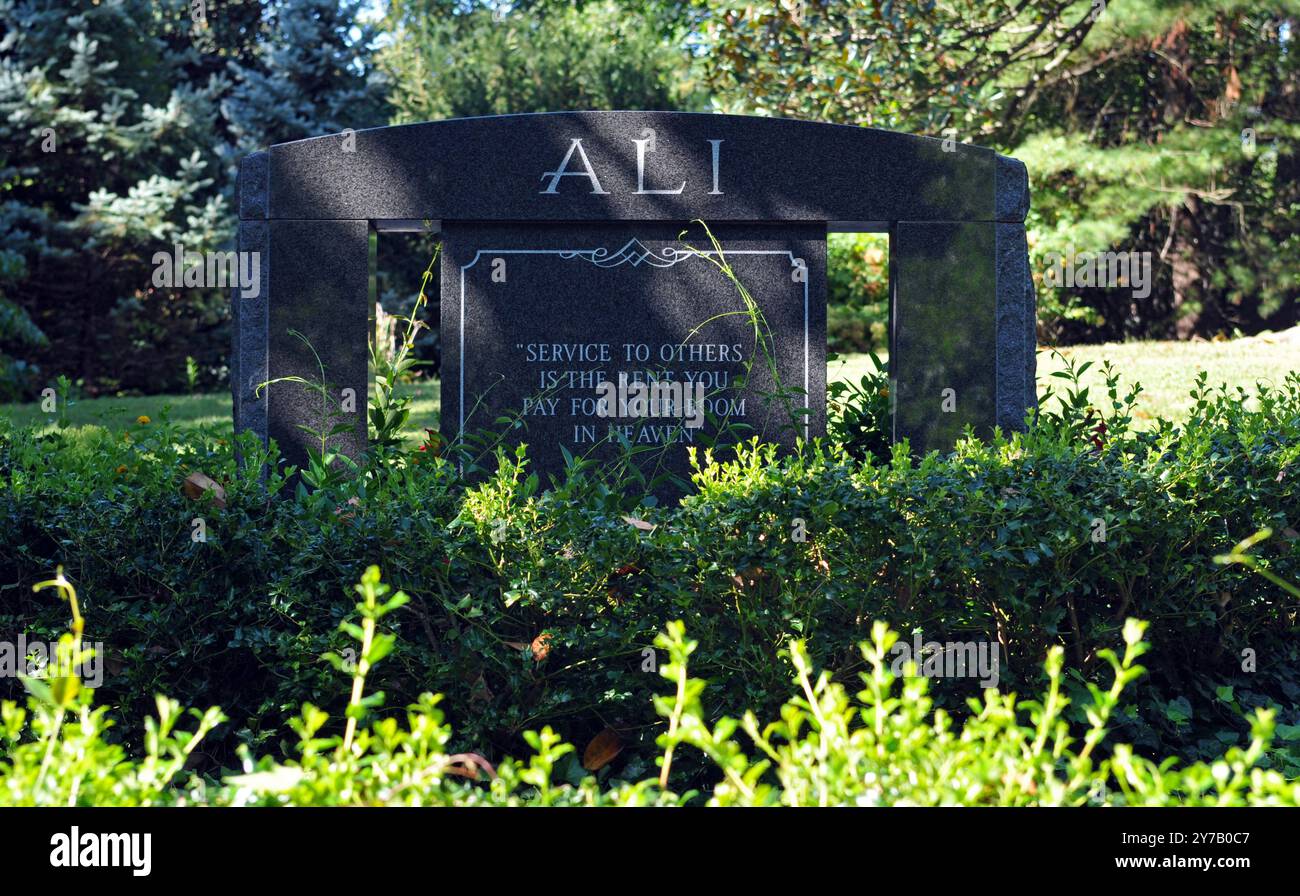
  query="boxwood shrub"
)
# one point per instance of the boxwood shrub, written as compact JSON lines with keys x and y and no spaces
{"x":535,"y":606}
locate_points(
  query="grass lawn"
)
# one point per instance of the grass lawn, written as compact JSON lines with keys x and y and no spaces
{"x":1166,"y":371}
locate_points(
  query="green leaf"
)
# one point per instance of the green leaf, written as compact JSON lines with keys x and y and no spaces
{"x":1179,"y":711}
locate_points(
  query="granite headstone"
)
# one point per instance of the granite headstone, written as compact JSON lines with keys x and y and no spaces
{"x":564,"y":266}
{"x":605,"y":340}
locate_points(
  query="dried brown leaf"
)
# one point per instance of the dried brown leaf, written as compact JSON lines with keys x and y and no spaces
{"x":602,"y":750}
{"x":196,"y":485}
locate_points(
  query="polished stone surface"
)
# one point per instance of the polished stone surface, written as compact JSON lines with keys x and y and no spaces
{"x":614,"y":189}
{"x":318,"y":285}
{"x":642,"y":166}
{"x":942,"y":359}
{"x":249,"y":335}
{"x":535,"y":317}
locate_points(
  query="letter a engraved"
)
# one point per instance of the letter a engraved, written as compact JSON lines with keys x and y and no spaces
{"x":563,"y":170}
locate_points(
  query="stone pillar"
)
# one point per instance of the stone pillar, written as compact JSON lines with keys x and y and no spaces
{"x":1016,"y":301}
{"x":962,"y":322}
{"x":1017,"y":337}
{"x":249,"y":312}
{"x":941,"y":359}
{"x":318,"y":331}
{"x":309,"y":323}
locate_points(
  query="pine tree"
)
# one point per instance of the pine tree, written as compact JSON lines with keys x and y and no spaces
{"x":106,"y":160}
{"x":450,"y":59}
{"x":1162,"y":126}
{"x":1173,"y":130}
{"x":311,"y":77}
{"x":121,"y":126}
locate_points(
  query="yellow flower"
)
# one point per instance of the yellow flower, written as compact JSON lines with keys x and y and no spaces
{"x":143,"y":420}
{"x":121,"y":469}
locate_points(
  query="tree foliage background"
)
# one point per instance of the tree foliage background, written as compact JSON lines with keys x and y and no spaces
{"x":1147,"y":125}
{"x":121,"y":126}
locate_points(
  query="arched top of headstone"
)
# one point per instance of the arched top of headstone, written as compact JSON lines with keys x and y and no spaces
{"x":602,"y":166}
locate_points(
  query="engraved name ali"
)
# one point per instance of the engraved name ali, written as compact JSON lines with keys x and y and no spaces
{"x":576,"y":164}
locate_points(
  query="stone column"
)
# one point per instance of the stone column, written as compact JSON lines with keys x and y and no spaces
{"x":962,"y":322}
{"x":248,"y":312}
{"x":310,"y":322}
{"x":317,"y":330}
{"x":941,"y":359}
{"x":1017,"y":337}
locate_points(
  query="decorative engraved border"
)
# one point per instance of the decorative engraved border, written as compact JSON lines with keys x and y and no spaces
{"x":635,"y":253}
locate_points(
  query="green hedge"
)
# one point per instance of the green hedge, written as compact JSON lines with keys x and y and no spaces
{"x":532,"y":609}
{"x":857,"y":292}
{"x":888,"y":747}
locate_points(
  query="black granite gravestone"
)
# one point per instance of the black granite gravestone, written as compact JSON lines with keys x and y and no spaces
{"x":564,"y":268}
{"x":536,"y":318}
